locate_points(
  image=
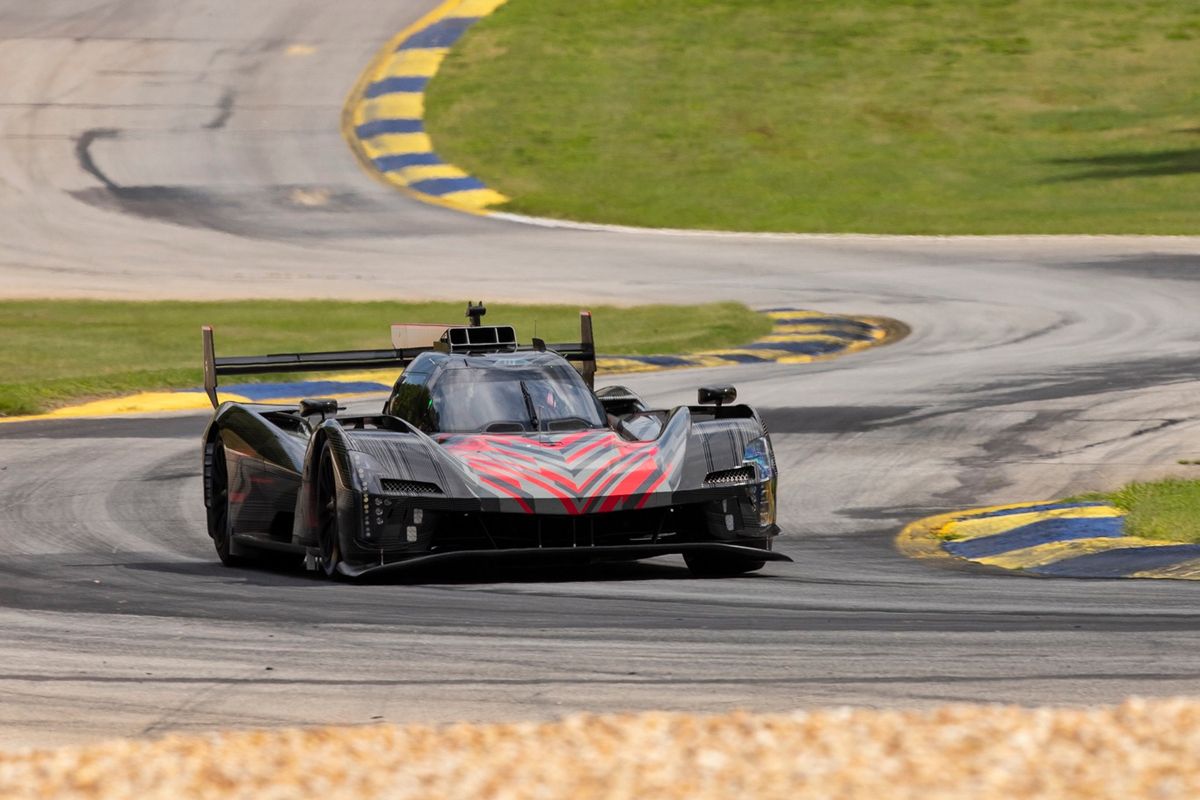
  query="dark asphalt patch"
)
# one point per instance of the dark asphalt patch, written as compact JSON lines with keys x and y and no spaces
{"x":181,"y":427}
{"x":1160,"y":266}
{"x":270,"y":213}
{"x":832,"y":419}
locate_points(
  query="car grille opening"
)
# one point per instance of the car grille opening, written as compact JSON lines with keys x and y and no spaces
{"x":396,"y":486}
{"x":727,"y":476}
{"x":502,"y":531}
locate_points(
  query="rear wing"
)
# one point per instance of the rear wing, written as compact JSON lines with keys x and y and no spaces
{"x":582,"y":354}
{"x":587,"y":350}
{"x":296,"y":362}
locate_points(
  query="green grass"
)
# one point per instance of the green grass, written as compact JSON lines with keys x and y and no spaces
{"x":1167,"y":509}
{"x":58,"y":351}
{"x":887,"y":116}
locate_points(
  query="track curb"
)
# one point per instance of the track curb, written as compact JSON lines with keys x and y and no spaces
{"x":1056,"y":538}
{"x":383,"y":118}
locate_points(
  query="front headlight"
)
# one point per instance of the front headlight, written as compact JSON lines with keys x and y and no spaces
{"x":758,"y":453}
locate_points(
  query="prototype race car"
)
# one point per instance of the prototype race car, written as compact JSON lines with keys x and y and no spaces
{"x":485,"y":448}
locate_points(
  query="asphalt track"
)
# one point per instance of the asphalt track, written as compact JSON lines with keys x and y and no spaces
{"x":155,"y":149}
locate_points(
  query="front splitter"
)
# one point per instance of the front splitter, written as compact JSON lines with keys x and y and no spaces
{"x":542,"y":555}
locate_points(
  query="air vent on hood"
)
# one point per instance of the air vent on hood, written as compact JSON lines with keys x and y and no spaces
{"x":395,"y":486}
{"x":727,"y":476}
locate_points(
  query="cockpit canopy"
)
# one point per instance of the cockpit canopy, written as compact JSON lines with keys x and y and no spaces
{"x":494,"y":394}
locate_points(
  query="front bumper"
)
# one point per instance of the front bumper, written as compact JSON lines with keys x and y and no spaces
{"x":410,"y":530}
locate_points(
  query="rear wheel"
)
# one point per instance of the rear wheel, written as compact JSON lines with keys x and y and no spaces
{"x":720,"y":565}
{"x":328,"y":534}
{"x":220,"y":527}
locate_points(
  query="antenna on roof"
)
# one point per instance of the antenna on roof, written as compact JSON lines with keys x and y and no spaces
{"x":475,"y":313}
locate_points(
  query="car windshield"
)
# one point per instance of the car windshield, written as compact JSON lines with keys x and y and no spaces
{"x":510,"y":400}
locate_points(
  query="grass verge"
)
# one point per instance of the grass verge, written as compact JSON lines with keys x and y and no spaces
{"x":59,"y":351}
{"x":1167,"y":509}
{"x":880,"y":116}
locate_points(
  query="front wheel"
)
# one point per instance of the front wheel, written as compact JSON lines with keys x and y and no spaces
{"x":219,"y":520}
{"x":328,"y":534}
{"x":720,"y":565}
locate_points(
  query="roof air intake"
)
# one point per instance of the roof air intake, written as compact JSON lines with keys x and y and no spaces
{"x":485,"y":338}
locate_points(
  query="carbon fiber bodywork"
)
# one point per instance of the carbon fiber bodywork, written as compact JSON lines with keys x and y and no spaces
{"x":648,"y":484}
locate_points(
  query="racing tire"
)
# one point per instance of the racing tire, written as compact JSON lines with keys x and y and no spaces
{"x":720,"y":565}
{"x":329,"y":541}
{"x":219,"y":520}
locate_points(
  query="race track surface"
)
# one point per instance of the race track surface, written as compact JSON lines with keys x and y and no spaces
{"x":154,"y":149}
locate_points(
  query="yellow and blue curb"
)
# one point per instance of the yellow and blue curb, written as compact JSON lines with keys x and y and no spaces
{"x":384,"y":117}
{"x":797,"y":336}
{"x":1050,"y":539}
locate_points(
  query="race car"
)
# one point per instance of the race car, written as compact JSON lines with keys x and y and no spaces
{"x":485,"y":449}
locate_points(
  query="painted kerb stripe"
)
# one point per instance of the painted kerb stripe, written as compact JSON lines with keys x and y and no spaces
{"x":1053,"y":539}
{"x":384,"y":116}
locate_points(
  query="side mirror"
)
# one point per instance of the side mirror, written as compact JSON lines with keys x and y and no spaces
{"x":323,"y":406}
{"x":716,"y":395}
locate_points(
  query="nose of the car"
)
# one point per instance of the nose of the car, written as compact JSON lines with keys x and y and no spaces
{"x":576,"y":468}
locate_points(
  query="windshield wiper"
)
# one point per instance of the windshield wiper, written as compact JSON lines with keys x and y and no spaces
{"x":533,"y":417}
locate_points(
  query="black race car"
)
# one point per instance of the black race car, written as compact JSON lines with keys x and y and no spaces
{"x":485,"y":448}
